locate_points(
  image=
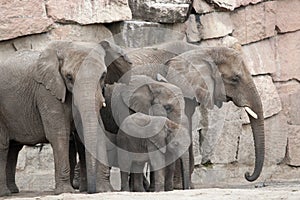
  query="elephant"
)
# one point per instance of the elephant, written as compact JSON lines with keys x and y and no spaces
{"x":154,"y":139}
{"x":149,"y":97}
{"x":207,"y":76}
{"x":39,"y":91}
{"x":141,"y":94}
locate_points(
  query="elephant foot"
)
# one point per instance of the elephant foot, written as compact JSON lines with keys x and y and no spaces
{"x":105,"y":187}
{"x":178,"y":185}
{"x":13,"y":188}
{"x":169,"y":187}
{"x":83,"y":186}
{"x":65,"y":188}
{"x":4,"y":191}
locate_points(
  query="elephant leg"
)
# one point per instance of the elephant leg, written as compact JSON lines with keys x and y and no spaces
{"x":82,"y":165}
{"x":62,"y":166}
{"x":12,"y":159}
{"x":73,"y":161}
{"x":159,"y":180}
{"x":124,"y":163}
{"x":124,"y":181}
{"x":169,"y":175}
{"x":4,"y":146}
{"x":152,"y":182}
{"x":103,"y":178}
{"x":137,"y":177}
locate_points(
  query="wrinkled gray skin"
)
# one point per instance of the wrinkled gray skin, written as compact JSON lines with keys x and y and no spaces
{"x":143,"y":94}
{"x":36,"y":91}
{"x":147,"y":96}
{"x":208,"y":76}
{"x":155,"y":139}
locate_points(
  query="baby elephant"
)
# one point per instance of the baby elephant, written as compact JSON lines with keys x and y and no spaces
{"x":155,"y":140}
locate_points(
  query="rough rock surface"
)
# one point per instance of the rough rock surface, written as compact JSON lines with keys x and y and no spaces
{"x":141,"y":33}
{"x":216,"y":24}
{"x":260,"y":57}
{"x":15,"y":16}
{"x":88,"y":11}
{"x":288,"y":58}
{"x":165,"y":11}
{"x":200,"y":6}
{"x":254,"y":22}
{"x":232,"y":4}
{"x":288,"y":15}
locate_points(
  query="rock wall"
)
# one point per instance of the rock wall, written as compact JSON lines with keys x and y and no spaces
{"x":269,"y":32}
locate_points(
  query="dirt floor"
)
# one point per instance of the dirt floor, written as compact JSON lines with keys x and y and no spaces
{"x":266,"y":191}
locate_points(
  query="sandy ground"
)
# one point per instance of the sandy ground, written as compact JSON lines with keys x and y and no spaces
{"x":276,"y":191}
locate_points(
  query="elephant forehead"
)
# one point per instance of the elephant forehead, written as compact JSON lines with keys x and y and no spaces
{"x":142,"y":126}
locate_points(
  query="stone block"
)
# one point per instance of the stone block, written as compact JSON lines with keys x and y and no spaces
{"x":88,"y":33}
{"x":232,"y":4}
{"x":88,"y":12}
{"x":18,"y":18}
{"x":255,"y":22}
{"x":219,"y":131}
{"x":288,"y":59}
{"x":192,"y":32}
{"x":216,"y":24}
{"x":289,"y":93}
{"x":275,"y":142}
{"x":200,"y":6}
{"x":196,"y":136}
{"x":268,"y":94}
{"x":288,"y":15}
{"x":36,"y":158}
{"x":260,"y":57}
{"x":164,"y":11}
{"x":293,"y":146}
{"x":142,"y":33}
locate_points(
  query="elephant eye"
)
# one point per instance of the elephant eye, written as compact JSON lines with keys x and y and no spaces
{"x":103,"y":76}
{"x":69,"y":77}
{"x":168,"y":108}
{"x":235,"y":79}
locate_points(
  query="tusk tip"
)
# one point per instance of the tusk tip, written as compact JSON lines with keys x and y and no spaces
{"x":251,"y":112}
{"x":104,"y":104}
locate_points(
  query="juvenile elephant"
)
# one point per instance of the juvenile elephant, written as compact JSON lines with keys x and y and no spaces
{"x":36,"y":91}
{"x":153,"y":139}
{"x":141,"y":94}
{"x":207,"y":76}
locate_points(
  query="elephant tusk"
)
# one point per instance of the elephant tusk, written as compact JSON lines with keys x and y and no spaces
{"x":160,"y":78}
{"x":104,"y":104}
{"x":251,"y":112}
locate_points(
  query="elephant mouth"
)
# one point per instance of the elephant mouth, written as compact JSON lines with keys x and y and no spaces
{"x":228,"y":98}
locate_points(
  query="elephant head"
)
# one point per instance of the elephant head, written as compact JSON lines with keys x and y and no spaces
{"x":165,"y":138}
{"x":145,"y":95}
{"x":218,"y":74}
{"x":79,"y":70}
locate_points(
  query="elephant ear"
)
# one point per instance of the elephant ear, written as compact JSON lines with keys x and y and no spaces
{"x":118,"y":64}
{"x":219,"y":94}
{"x":47,"y":73}
{"x":139,"y":94}
{"x":192,"y":78}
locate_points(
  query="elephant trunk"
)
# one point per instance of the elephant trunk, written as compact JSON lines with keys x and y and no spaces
{"x":88,"y":102}
{"x":185,"y":170}
{"x":257,"y":125}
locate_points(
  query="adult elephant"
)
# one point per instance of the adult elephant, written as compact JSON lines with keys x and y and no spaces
{"x":36,"y":91}
{"x":207,"y":76}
